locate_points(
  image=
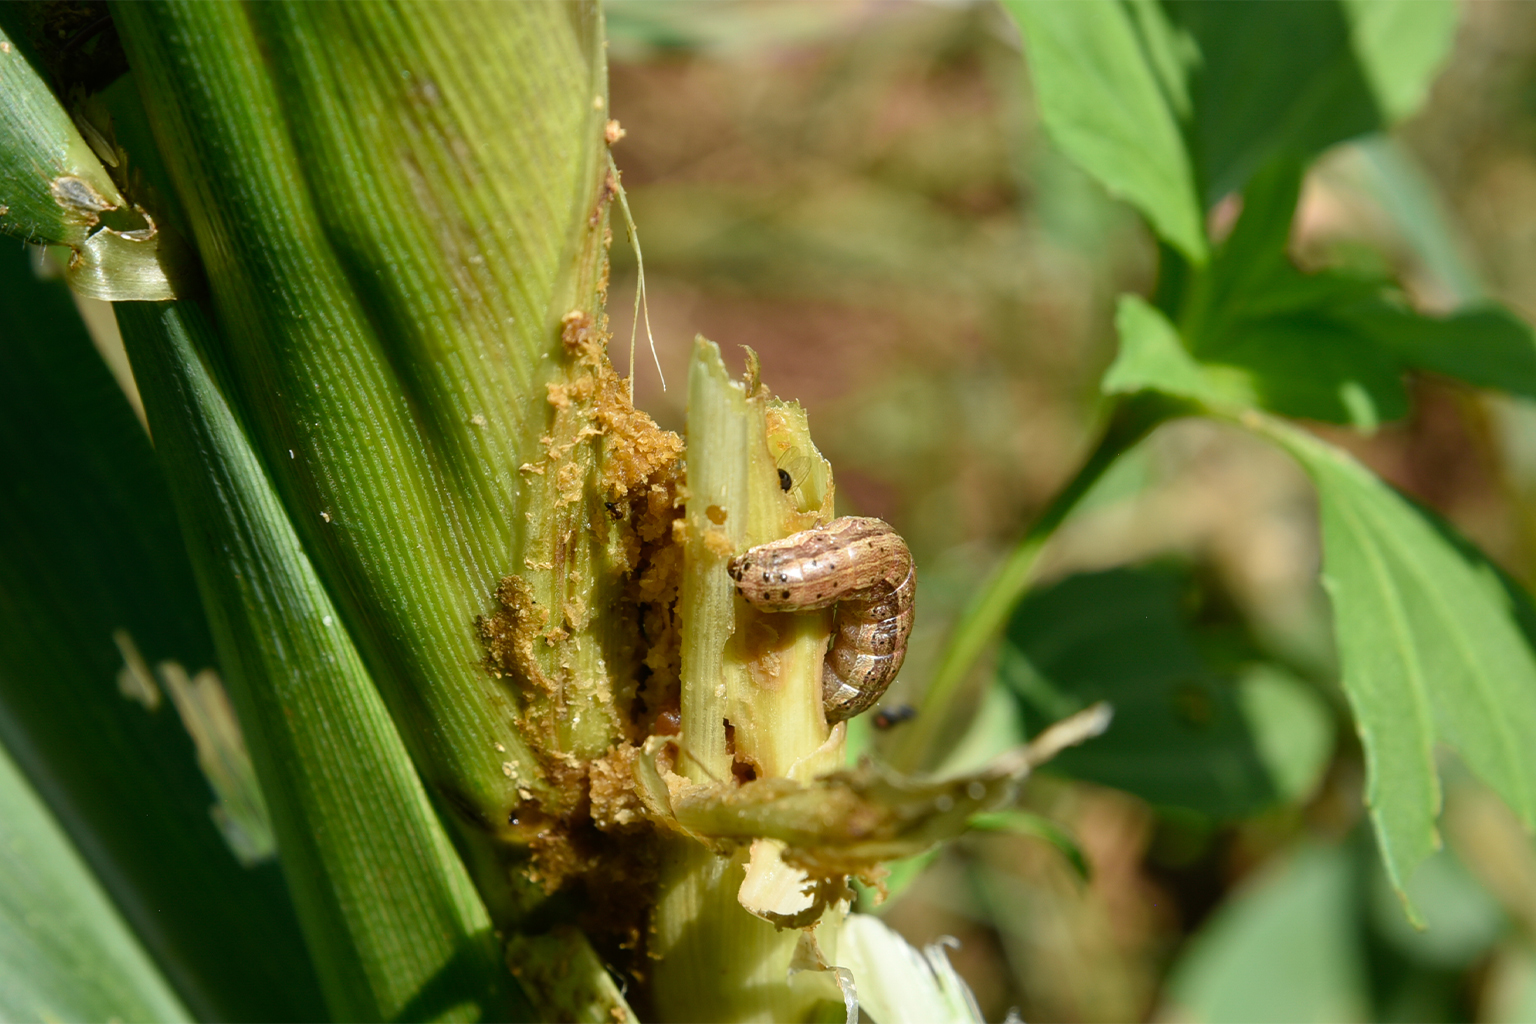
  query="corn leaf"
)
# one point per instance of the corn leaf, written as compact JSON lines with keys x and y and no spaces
{"x":392,"y":920}
{"x":1100,"y":95}
{"x":54,"y":189}
{"x":89,"y":548}
{"x":65,"y":952}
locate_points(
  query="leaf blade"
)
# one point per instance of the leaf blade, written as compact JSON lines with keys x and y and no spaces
{"x":1400,"y":46}
{"x":299,"y":683}
{"x":54,"y":186}
{"x":1276,"y":78}
{"x":1430,"y":649}
{"x":88,"y":546}
{"x":1101,"y":101}
{"x":57,"y":192}
{"x":85,"y":964}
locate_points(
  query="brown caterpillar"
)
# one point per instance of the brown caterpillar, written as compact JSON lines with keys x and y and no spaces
{"x":863,"y":567}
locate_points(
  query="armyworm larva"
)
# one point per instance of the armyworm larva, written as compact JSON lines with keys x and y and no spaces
{"x":864,"y":568}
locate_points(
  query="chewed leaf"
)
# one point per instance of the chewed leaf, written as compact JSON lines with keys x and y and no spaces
{"x":850,"y":821}
{"x":56,"y":191}
{"x":55,"y":187}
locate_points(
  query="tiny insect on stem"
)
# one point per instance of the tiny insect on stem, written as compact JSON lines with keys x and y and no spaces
{"x":890,"y":717}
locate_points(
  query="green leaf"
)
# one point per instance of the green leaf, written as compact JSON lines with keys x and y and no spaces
{"x":89,"y":547}
{"x":1485,"y":346}
{"x":65,"y":953}
{"x":391,"y":918}
{"x":1190,"y":730}
{"x":1298,"y":365}
{"x":1173,"y":106}
{"x":54,"y":189}
{"x":1258,"y":332}
{"x":1251,"y":276}
{"x":1152,"y":357}
{"x":1312,"y":367}
{"x":1100,"y":99}
{"x":1283,"y":947}
{"x":1254,"y":318}
{"x":1430,"y":647}
{"x":1292,"y":77}
{"x":1400,"y":46}
{"x":1250,"y":266}
{"x":1273,"y":78}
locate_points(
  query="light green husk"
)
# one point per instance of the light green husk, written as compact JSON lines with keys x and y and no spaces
{"x":402,"y":215}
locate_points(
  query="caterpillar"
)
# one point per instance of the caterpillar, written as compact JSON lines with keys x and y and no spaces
{"x":864,"y":568}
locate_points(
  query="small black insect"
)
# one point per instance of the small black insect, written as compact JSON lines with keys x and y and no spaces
{"x":887,"y":718}
{"x":785,"y":480}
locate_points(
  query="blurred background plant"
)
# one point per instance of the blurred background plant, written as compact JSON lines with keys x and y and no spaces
{"x":866,"y":195}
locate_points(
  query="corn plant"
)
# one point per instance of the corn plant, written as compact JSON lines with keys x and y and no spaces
{"x":369,"y":655}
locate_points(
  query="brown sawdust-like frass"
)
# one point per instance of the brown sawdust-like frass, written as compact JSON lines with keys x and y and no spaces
{"x":593,"y":835}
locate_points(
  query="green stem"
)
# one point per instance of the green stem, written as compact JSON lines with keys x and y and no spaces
{"x":750,"y":697}
{"x":944,"y":703}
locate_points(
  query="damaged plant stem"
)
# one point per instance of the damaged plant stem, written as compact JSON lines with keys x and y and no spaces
{"x":750,"y":706}
{"x":766,"y":825}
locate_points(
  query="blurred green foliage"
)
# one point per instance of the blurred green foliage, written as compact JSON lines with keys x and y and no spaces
{"x":910,"y":240}
{"x":1203,"y":720}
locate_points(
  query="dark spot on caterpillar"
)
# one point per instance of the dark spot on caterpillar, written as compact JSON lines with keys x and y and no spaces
{"x":785,"y":480}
